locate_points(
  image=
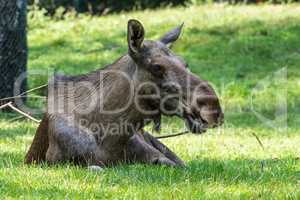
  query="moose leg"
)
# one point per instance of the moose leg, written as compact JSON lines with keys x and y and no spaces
{"x":162,"y":148}
{"x":139,"y":150}
{"x":54,"y":153}
{"x":71,"y":143}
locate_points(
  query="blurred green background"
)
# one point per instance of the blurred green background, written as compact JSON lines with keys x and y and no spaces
{"x":102,"y":7}
{"x":251,"y":55}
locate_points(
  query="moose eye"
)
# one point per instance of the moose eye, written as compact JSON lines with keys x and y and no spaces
{"x":157,"y":70}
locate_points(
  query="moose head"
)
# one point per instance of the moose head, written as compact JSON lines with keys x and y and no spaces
{"x":173,"y":89}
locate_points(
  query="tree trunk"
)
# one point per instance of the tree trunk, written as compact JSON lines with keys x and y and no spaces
{"x":13,"y":47}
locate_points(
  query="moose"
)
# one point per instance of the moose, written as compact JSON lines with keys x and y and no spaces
{"x":98,"y":119}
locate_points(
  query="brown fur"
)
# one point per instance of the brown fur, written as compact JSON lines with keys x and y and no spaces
{"x":40,"y":144}
{"x":62,"y":137}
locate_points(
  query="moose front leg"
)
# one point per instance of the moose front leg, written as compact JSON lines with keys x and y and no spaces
{"x":72,"y":143}
{"x":147,"y":149}
{"x":162,"y":148}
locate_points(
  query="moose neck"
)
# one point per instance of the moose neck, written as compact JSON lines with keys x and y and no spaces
{"x":118,"y":89}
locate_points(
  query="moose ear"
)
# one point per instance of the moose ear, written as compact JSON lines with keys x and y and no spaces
{"x":135,"y":37}
{"x":169,"y":38}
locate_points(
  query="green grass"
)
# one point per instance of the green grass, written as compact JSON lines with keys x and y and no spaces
{"x":235,"y":48}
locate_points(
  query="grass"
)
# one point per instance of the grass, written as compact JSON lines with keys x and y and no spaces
{"x":239,"y":49}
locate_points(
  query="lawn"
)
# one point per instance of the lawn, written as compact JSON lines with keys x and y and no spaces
{"x":251,"y":54}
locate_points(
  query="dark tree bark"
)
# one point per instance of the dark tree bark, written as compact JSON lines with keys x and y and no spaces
{"x":13,"y":46}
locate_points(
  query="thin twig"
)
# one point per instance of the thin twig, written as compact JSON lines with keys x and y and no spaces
{"x":258,"y":140}
{"x":26,"y":92}
{"x":19,"y":97}
{"x":21,"y":112}
{"x":5,"y":105}
{"x":262,"y":163}
{"x":33,"y":89}
{"x":172,"y":135}
{"x":16,"y":118}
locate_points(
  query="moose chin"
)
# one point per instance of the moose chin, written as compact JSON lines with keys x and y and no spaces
{"x":122,"y":98}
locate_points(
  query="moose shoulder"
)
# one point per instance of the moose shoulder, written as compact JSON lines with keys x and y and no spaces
{"x":98,"y":118}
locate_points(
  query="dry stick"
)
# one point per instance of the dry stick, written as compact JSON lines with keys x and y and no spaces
{"x":258,"y":140}
{"x":262,"y":163}
{"x":26,"y":92}
{"x":34,"y":89}
{"x":16,"y":118}
{"x":172,"y":135}
{"x":5,"y":105}
{"x":23,"y":113}
{"x":9,"y":104}
{"x":19,"y":97}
